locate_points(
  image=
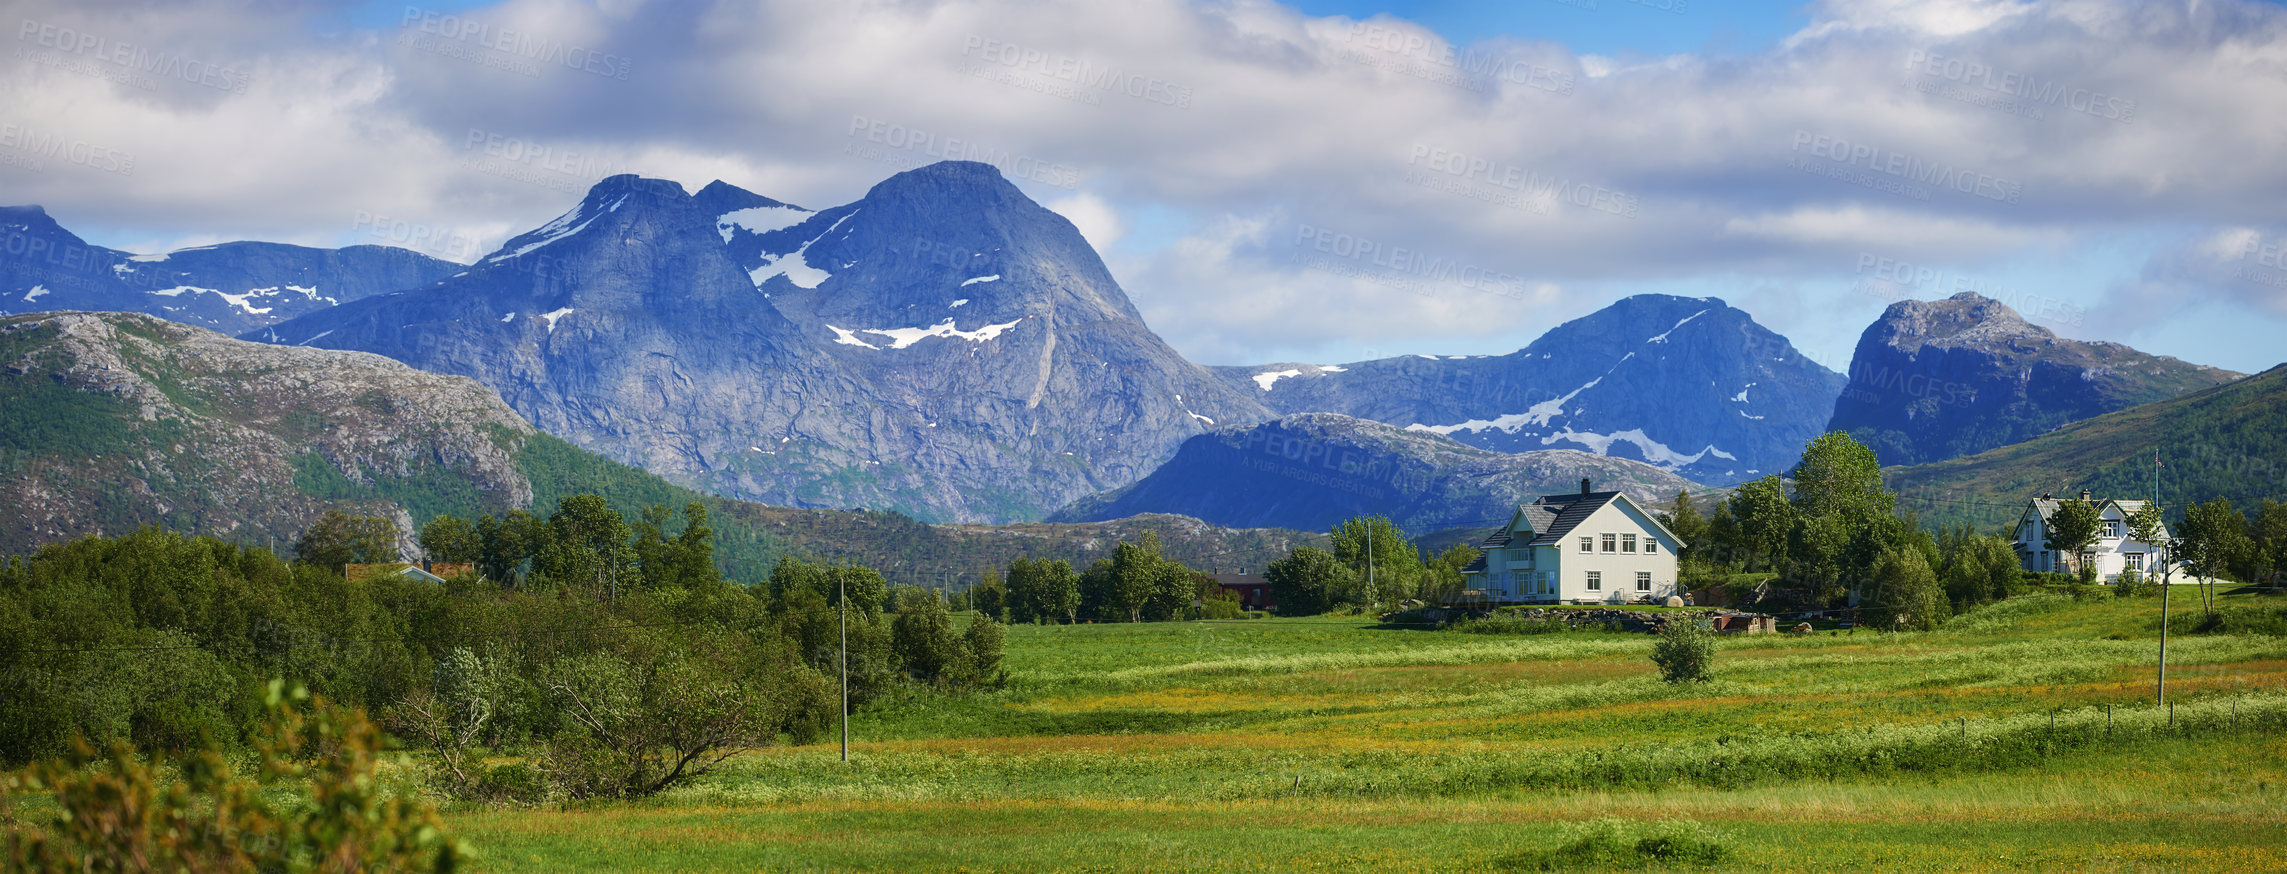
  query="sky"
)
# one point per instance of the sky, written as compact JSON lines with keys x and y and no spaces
{"x":1320,"y":182}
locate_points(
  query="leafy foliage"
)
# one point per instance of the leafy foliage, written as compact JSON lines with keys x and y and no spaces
{"x":1304,"y":583}
{"x":1685,"y":652}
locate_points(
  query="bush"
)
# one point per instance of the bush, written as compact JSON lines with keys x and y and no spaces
{"x":2270,"y":621}
{"x":2132,"y":584}
{"x":1685,"y":653}
{"x":513,"y":783}
{"x":1608,"y":844}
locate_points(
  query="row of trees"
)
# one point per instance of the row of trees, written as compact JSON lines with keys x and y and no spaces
{"x":160,"y":639}
{"x":1371,"y":564}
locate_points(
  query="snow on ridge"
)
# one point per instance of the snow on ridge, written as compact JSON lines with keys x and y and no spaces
{"x":313,"y":337}
{"x":1655,"y":453}
{"x":1329,"y":368}
{"x":1538,"y":414}
{"x":759,"y":220}
{"x":1663,"y":335}
{"x":900,"y":338}
{"x":150,"y":259}
{"x":1266,"y":380}
{"x":181,"y":289}
{"x":793,"y":266}
{"x":552,"y":317}
{"x":848,"y":337}
{"x":560,"y":227}
{"x":969,"y":282}
{"x":34,"y":293}
{"x":960,"y":302}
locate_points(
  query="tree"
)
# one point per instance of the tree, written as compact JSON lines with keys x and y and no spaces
{"x":586,"y":548}
{"x":1142,"y":580}
{"x":1441,"y":575}
{"x":1381,"y":557}
{"x":1685,"y":651}
{"x":2073,"y":525}
{"x":339,"y":539}
{"x":1764,"y":518}
{"x":2213,"y":541}
{"x":990,"y":596}
{"x":1905,"y":592}
{"x":1683,"y":518}
{"x":984,"y":642}
{"x":2269,"y":541}
{"x":927,"y":648}
{"x":450,"y":538}
{"x":686,"y":561}
{"x":1043,"y":591}
{"x":1839,"y":476}
{"x":506,"y":544}
{"x":450,"y":715}
{"x":1303,"y":582}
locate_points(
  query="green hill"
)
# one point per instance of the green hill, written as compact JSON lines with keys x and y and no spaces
{"x":2228,"y":441}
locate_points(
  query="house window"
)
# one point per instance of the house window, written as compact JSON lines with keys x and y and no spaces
{"x":2135,"y":560}
{"x":1596,"y":581}
{"x":1643,"y":581}
{"x":1587,"y":543}
{"x":1651,"y":546}
{"x":2112,"y":530}
{"x":1611,"y":542}
{"x":1627,"y":543}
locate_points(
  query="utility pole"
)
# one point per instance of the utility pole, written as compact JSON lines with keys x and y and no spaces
{"x":842,"y":609}
{"x":1370,"y":559}
{"x":2160,"y":687}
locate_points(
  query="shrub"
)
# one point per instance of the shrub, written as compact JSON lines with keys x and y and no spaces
{"x":114,"y":811}
{"x":1685,"y":653}
{"x":1609,"y":844}
{"x":2132,"y":584}
{"x":512,"y":783}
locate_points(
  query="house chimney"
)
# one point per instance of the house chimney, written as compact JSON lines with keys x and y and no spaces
{"x":2084,"y":496}
{"x":1584,"y":485}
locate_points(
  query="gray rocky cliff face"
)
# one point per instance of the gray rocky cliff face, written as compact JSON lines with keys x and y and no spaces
{"x":1933,"y":380}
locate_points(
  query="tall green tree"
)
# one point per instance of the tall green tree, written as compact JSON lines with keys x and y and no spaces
{"x":339,"y":539}
{"x":2213,"y":541}
{"x":1303,"y":581}
{"x":1386,"y":564}
{"x":1042,"y":591}
{"x":507,"y":543}
{"x":449,"y":538}
{"x":1682,"y":517}
{"x":1764,"y":518}
{"x":2072,"y":527}
{"x":1904,"y":592}
{"x":2268,"y":533}
{"x":1441,"y":574}
{"x":587,"y":548}
{"x":990,"y":595}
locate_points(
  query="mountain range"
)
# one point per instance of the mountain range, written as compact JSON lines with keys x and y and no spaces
{"x":230,"y":287}
{"x":118,"y":420}
{"x":1692,"y":386}
{"x":945,"y":348}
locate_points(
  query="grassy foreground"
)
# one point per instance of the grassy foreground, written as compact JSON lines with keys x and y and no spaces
{"x":1330,"y":744}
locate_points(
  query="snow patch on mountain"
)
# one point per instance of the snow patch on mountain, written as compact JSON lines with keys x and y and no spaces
{"x":1656,"y":453}
{"x":1536,"y":415}
{"x":35,"y":293}
{"x":972,"y":281}
{"x":1266,"y":380}
{"x":1662,"y":337}
{"x":552,"y":317}
{"x":793,"y":266}
{"x":759,"y":220}
{"x":562,"y":226}
{"x":958,"y":303}
{"x":900,"y":338}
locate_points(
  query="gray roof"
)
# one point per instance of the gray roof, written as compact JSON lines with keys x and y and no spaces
{"x":1566,"y":512}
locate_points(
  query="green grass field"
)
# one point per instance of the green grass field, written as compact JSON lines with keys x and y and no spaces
{"x":1334,"y":745}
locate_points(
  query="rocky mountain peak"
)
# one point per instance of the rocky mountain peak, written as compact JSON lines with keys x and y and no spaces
{"x":1967,"y":319}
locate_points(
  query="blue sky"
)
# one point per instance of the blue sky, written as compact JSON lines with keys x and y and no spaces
{"x":1602,"y":27}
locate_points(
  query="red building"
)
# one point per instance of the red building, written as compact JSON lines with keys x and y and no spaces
{"x":1254,"y":592}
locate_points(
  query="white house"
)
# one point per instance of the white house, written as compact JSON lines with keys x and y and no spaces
{"x":1591,"y":547}
{"x":2115,"y":549}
